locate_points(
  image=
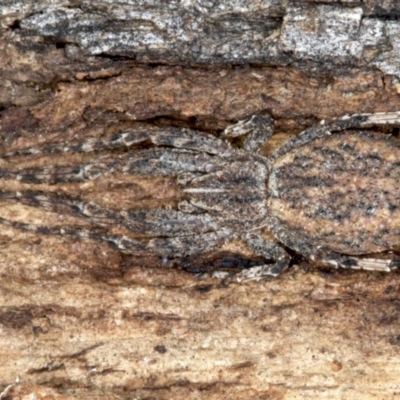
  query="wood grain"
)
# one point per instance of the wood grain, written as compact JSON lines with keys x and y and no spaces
{"x":80,"y":320}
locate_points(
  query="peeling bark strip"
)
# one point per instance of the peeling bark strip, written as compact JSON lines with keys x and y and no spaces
{"x":352,"y":34}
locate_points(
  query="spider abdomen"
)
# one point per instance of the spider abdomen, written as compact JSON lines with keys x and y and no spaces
{"x":340,"y":192}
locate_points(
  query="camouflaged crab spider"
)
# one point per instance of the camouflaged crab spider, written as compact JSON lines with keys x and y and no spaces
{"x":331,"y":193}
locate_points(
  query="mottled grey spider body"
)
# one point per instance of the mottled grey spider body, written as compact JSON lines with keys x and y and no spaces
{"x":330,"y":193}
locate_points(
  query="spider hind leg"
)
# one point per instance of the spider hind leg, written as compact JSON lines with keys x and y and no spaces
{"x":358,"y":263}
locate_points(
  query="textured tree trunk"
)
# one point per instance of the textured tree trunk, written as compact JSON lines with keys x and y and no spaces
{"x":78,"y":319}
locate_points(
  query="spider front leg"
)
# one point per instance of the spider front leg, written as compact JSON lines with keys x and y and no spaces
{"x":258,"y":128}
{"x":269,"y":250}
{"x":169,"y":162}
{"x":162,"y":247}
{"x":182,"y":150}
{"x":167,"y":137}
{"x":145,"y":222}
{"x":157,"y":161}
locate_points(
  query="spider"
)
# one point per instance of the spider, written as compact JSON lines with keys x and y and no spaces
{"x":330,"y":194}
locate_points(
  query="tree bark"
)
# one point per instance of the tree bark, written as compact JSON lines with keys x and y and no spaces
{"x":78,"y":319}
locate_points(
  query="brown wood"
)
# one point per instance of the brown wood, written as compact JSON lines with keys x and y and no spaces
{"x":79,"y":319}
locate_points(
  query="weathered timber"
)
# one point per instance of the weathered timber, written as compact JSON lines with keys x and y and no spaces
{"x":205,"y":33}
{"x":79,"y":319}
{"x":164,"y":334}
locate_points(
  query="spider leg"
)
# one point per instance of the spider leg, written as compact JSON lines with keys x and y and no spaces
{"x":123,"y":243}
{"x":161,"y":162}
{"x":336,"y":126}
{"x":166,"y":137}
{"x":170,"y":223}
{"x":330,"y":258}
{"x":162,"y":247}
{"x":151,"y":222}
{"x":354,"y":262}
{"x":64,"y":204}
{"x":189,"y":245}
{"x":258,"y":128}
{"x":170,"y":162}
{"x":269,"y":250}
{"x":60,"y":174}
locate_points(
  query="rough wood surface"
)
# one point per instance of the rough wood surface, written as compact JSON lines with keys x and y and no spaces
{"x":81,"y":320}
{"x":165,"y":335}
